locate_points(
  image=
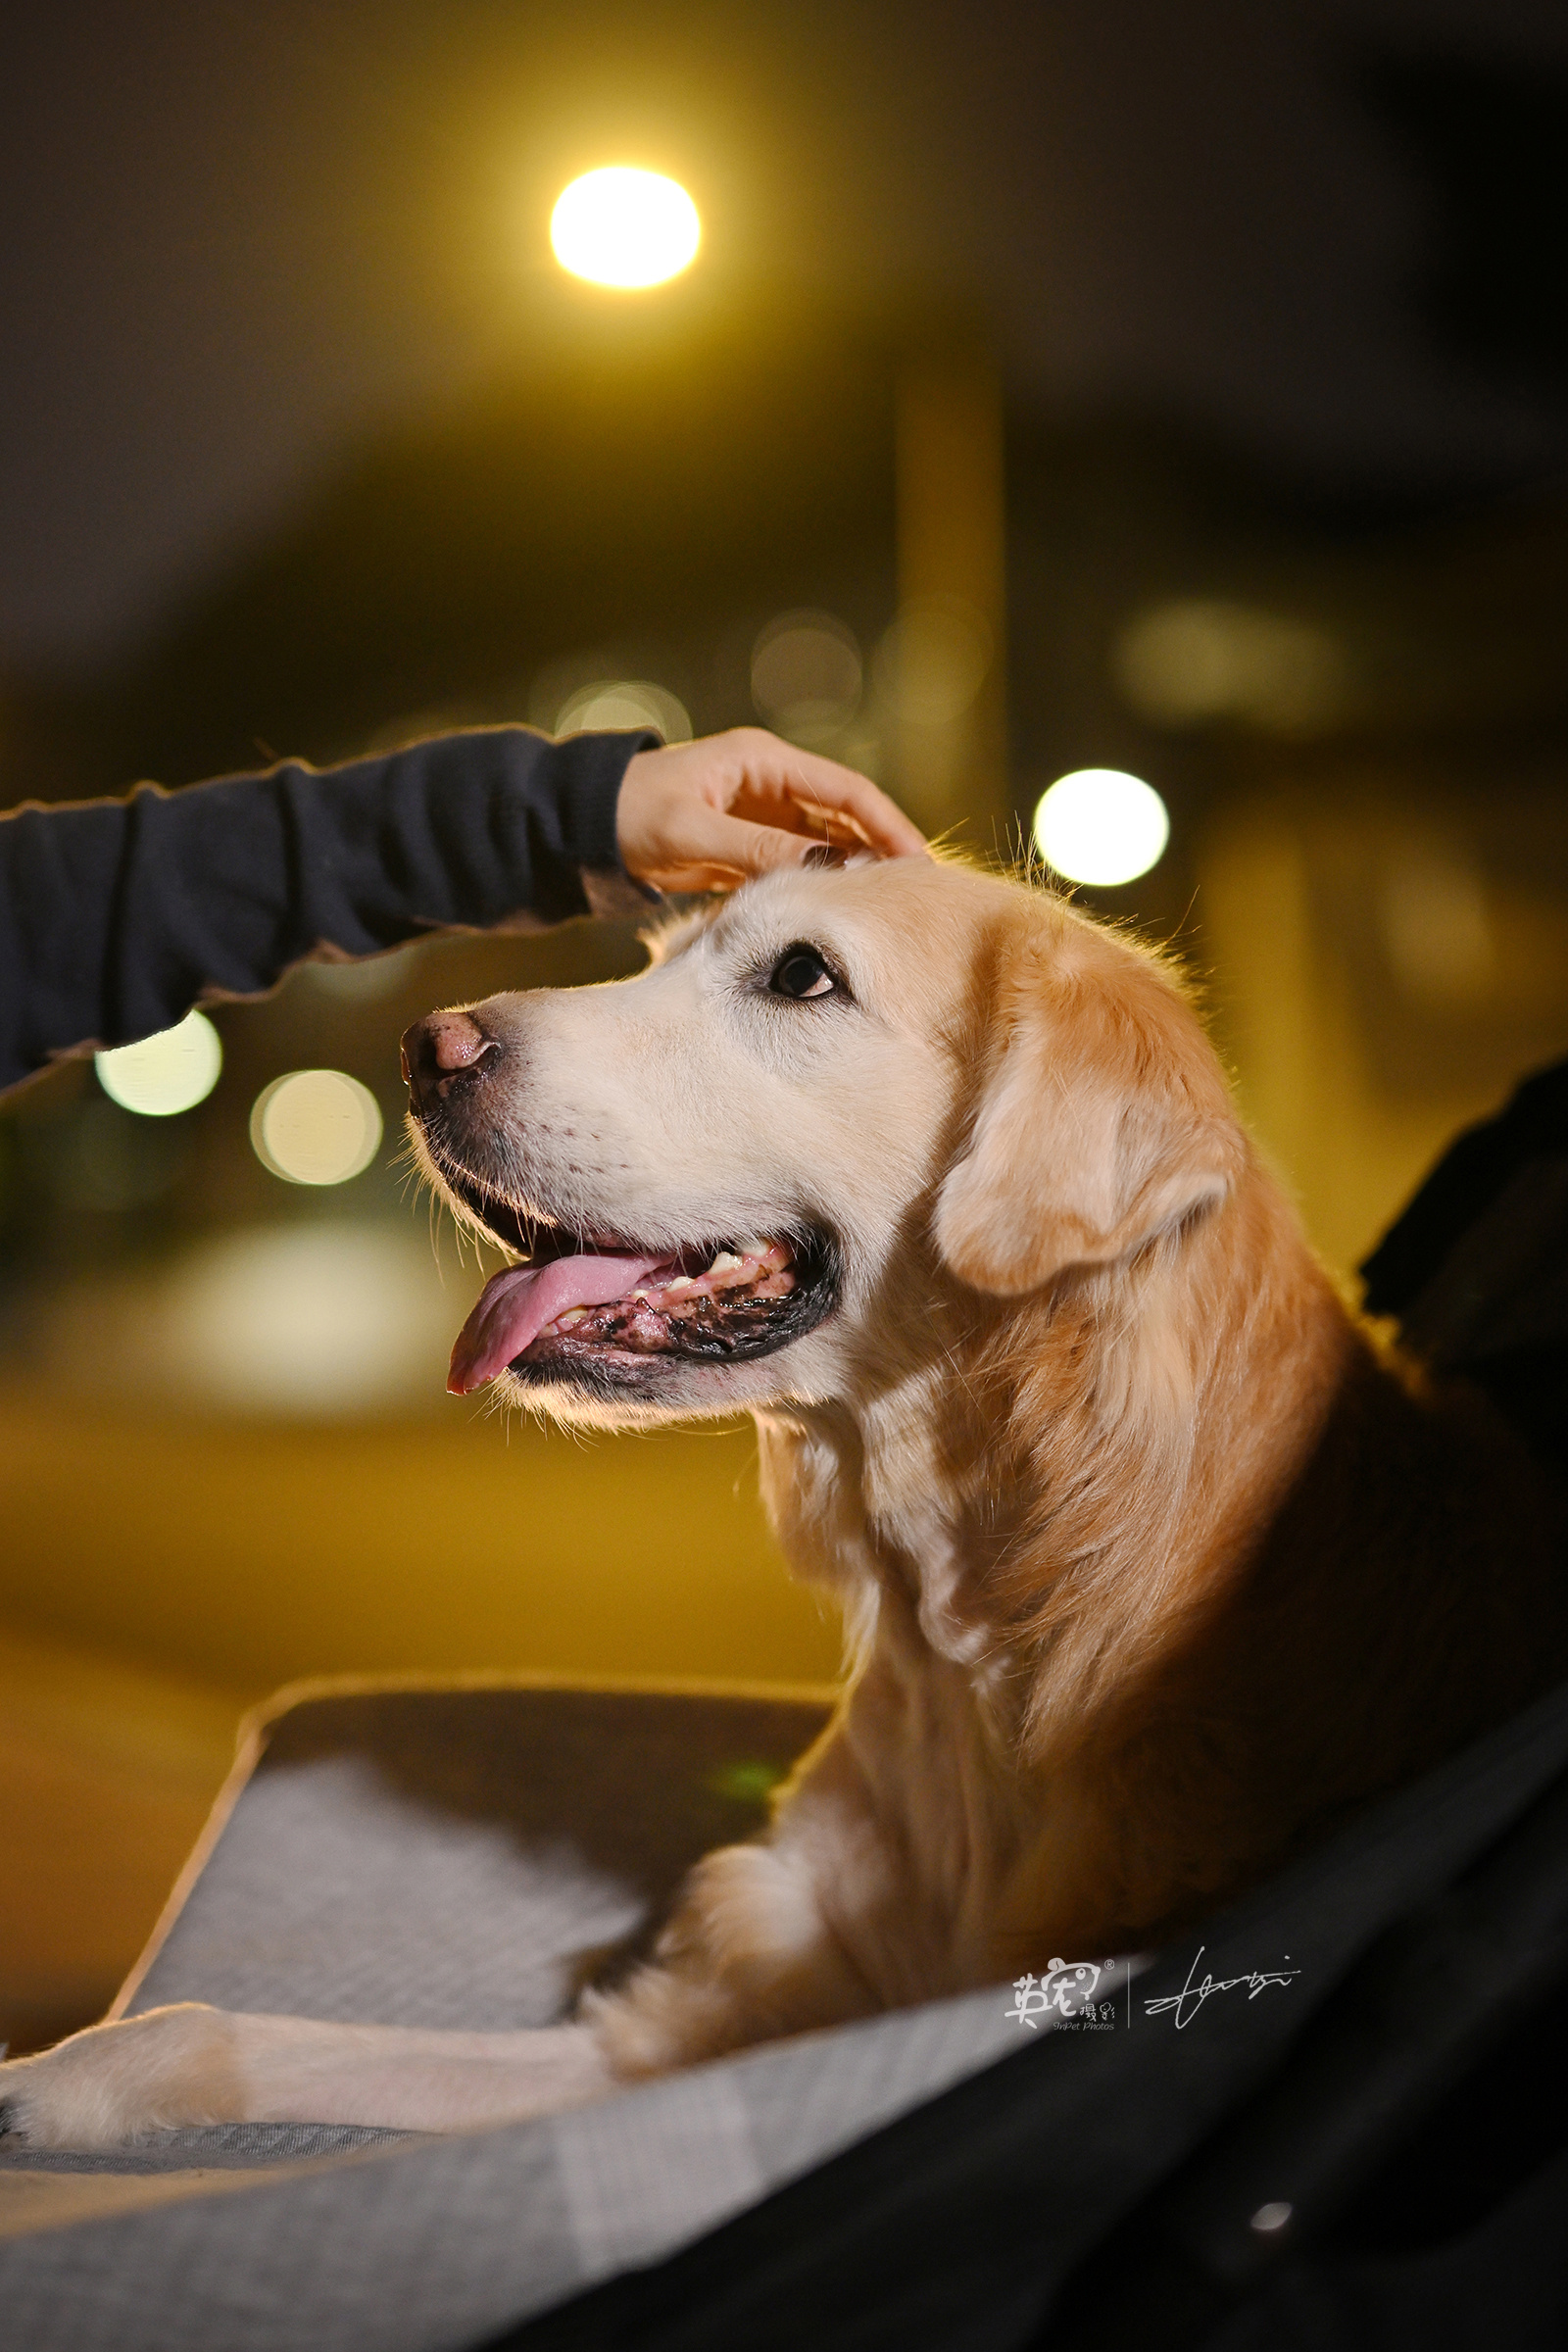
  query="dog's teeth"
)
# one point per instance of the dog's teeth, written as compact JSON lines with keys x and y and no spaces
{"x":724,"y":1263}
{"x":682,"y":1282}
{"x":574,"y":1314}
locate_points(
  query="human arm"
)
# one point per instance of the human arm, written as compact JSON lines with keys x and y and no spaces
{"x":116,"y":915}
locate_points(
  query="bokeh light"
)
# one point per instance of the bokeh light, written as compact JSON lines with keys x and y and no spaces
{"x":303,"y":1320}
{"x":806,"y":674}
{"x":1099,"y":825}
{"x":624,"y":228}
{"x":316,"y":1127}
{"x":168,"y":1072}
{"x":933,"y":660}
{"x":615,"y":703}
{"x":1200,"y":658}
{"x":1440,"y":931}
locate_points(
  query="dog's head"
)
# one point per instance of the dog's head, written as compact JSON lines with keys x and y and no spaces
{"x":831,"y":1092}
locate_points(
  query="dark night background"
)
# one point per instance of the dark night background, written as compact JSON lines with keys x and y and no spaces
{"x":243,"y":243}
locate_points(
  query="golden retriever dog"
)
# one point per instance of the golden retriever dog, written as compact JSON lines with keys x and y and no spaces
{"x":1152,"y":1567}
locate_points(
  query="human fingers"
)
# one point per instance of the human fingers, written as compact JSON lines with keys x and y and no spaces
{"x":821,"y":796}
{"x":710,"y":850}
{"x":670,"y":796}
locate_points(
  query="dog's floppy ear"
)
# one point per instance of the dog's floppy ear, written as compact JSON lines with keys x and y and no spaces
{"x":1103,"y":1120}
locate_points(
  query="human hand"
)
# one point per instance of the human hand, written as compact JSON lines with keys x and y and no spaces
{"x":710,"y":814}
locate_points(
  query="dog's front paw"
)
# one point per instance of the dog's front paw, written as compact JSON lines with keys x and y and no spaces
{"x":114,"y":2082}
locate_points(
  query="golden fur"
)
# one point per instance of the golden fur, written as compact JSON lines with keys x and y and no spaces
{"x":1154,"y":1564}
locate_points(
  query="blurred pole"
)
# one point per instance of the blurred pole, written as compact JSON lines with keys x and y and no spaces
{"x":949,"y":644}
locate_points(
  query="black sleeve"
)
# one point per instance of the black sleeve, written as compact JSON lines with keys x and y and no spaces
{"x":116,"y":917}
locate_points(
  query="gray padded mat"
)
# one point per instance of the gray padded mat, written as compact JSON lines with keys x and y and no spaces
{"x":465,"y":1858}
{"x":451,"y":1858}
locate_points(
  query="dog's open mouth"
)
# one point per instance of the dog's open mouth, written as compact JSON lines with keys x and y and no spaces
{"x":610,"y":1309}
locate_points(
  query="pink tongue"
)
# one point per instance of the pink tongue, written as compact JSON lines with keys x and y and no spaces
{"x":513,"y":1309}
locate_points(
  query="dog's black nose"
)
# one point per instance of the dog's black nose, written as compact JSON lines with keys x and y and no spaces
{"x":444,"y":1050}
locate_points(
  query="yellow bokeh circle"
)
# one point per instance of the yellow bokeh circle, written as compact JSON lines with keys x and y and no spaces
{"x":316,"y":1127}
{"x":165,"y":1073}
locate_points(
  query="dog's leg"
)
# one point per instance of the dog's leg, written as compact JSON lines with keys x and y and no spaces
{"x":747,"y":1957}
{"x":197,"y":2065}
{"x":750,"y":1954}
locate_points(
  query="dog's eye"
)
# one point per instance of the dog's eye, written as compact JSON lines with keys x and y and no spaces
{"x":801,"y":972}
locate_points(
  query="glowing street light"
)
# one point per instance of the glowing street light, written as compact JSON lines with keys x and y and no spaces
{"x":1101,"y":826}
{"x":624,"y":228}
